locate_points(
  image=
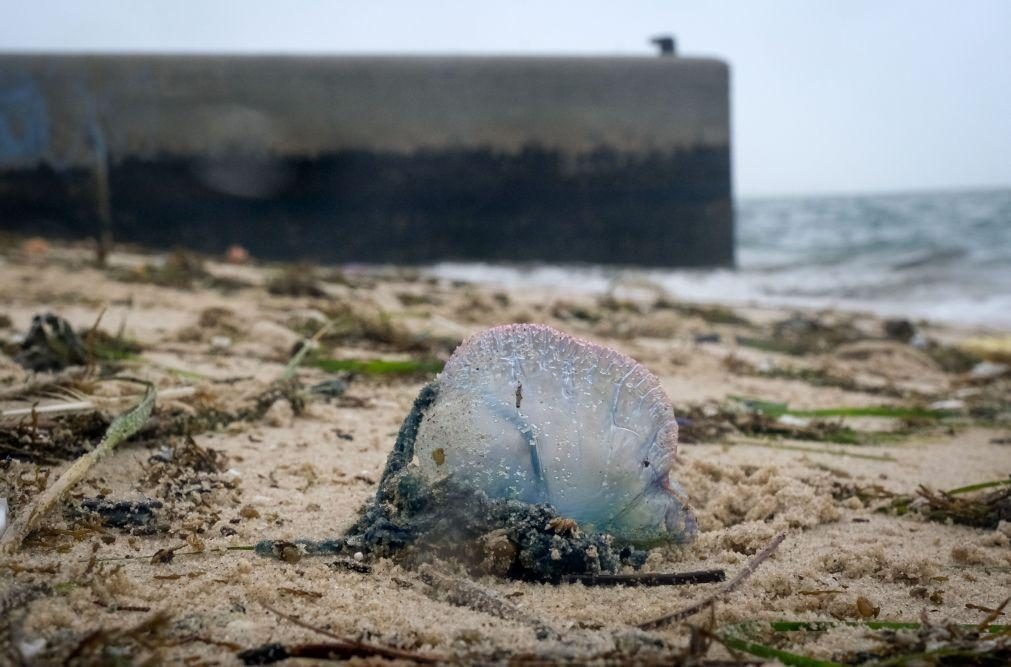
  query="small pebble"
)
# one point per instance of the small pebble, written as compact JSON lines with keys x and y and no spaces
{"x":950,"y":404}
{"x":988,"y":370}
{"x":866,"y":608}
{"x":359,"y":556}
{"x":220,"y":342}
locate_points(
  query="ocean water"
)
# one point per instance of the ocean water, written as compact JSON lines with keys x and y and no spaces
{"x":943,"y":256}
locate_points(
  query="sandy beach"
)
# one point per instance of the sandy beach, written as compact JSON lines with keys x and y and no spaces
{"x":838,"y":429}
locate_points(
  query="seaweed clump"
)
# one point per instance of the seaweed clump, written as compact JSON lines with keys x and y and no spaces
{"x":414,"y":519}
{"x":51,"y":345}
{"x":137,"y":517}
{"x":985,"y":510}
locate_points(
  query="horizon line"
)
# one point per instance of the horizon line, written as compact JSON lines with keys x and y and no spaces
{"x":886,"y":192}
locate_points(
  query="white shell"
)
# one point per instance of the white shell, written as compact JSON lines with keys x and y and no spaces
{"x":3,"y":516}
{"x":528,"y":412}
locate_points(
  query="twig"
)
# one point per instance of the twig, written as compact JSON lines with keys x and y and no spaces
{"x":464,"y":593}
{"x":647,"y":578}
{"x":89,"y":338}
{"x":349,"y":648}
{"x":296,"y":360}
{"x":55,"y":408}
{"x":83,"y":406}
{"x":120,"y":429}
{"x":148,"y":557}
{"x":994,"y":613}
{"x":731,"y":586}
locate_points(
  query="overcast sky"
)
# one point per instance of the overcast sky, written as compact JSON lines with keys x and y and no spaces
{"x":857,"y":96}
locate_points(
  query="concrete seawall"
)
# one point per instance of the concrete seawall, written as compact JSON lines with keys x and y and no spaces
{"x":612,"y":160}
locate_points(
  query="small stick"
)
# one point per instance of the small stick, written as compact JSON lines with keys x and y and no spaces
{"x":994,"y":613}
{"x":647,"y":578}
{"x":731,"y":586}
{"x":469,"y":594}
{"x":120,"y":429}
{"x":353,"y":648}
{"x":979,"y":607}
{"x":296,"y":360}
{"x":81,"y":406}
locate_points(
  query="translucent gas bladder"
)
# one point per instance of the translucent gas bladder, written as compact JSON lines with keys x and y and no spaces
{"x":527,"y":412}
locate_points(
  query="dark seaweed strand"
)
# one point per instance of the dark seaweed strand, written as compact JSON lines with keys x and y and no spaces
{"x":403,"y":452}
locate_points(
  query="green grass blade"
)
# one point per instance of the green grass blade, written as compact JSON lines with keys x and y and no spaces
{"x":769,"y":653}
{"x":815,"y":450}
{"x":381,"y":366}
{"x":979,"y":487}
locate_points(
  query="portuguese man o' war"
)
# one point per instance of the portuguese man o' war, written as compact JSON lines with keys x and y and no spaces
{"x":533,"y":456}
{"x":525,"y":412}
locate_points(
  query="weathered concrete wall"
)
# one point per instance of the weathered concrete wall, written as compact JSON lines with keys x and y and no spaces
{"x":621,"y":160}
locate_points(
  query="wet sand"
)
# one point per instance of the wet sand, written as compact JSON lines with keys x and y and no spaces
{"x":82,"y":590}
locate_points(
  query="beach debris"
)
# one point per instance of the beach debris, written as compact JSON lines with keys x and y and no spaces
{"x":362,"y":322}
{"x":801,"y":334}
{"x":950,"y":358}
{"x":647,"y":578}
{"x":14,"y":598}
{"x":899,"y":329}
{"x":462,"y":592}
{"x":866,"y":608}
{"x":137,"y":644}
{"x":707,"y":602}
{"x":333,"y":388}
{"x":710,"y":313}
{"x":352,"y":564}
{"x":85,"y":405}
{"x":44,"y":382}
{"x":138,"y":517}
{"x":3,"y":516}
{"x":996,"y":348}
{"x":887,"y":364}
{"x":982,"y":510}
{"x":220,"y":343}
{"x":339,"y":648}
{"x":384,"y":367}
{"x":51,"y":345}
{"x":988,"y":370}
{"x":896,"y":642}
{"x":35,"y":247}
{"x":236,"y":254}
{"x":179,"y":269}
{"x":982,"y":505}
{"x":526,"y":412}
{"x":39,"y":438}
{"x":296,"y":280}
{"x":120,"y":429}
{"x":713,"y":422}
{"x":947,"y":405}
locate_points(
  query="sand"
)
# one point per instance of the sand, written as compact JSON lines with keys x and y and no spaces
{"x":81,"y":590}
